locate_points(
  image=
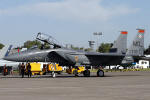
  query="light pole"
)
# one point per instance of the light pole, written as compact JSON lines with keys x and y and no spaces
{"x":97,"y":34}
{"x":91,"y":44}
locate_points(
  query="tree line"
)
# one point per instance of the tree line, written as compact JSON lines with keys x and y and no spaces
{"x":1,"y":45}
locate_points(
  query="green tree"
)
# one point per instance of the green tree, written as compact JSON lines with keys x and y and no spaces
{"x":1,"y":45}
{"x":104,"y":47}
{"x":147,"y":51}
{"x":88,"y":49}
{"x":75,"y":48}
{"x":29,"y":44}
{"x":82,"y":48}
{"x":78,"y":48}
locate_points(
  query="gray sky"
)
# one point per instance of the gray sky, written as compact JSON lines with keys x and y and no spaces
{"x":72,"y":21}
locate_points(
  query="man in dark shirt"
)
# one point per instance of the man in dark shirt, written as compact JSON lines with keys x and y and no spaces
{"x":22,"y":70}
{"x":29,"y":70}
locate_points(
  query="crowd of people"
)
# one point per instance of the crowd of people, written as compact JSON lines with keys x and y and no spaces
{"x":22,"y":70}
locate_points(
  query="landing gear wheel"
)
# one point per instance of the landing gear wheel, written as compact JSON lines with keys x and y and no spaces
{"x":100,"y":73}
{"x":86,"y":73}
{"x":75,"y":72}
{"x":53,"y":75}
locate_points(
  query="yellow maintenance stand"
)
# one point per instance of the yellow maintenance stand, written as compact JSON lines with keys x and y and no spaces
{"x":42,"y":69}
{"x":54,"y":67}
{"x":80,"y":70}
{"x":36,"y":69}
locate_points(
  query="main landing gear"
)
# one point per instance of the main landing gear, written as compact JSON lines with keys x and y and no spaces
{"x":100,"y":73}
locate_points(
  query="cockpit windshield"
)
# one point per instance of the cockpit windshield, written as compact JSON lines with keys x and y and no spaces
{"x":48,"y":39}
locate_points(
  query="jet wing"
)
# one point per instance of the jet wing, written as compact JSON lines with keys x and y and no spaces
{"x":105,"y":59}
{"x":58,"y":57}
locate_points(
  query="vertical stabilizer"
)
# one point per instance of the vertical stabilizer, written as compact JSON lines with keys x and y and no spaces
{"x":137,"y":46}
{"x":5,"y":51}
{"x":121,"y":43}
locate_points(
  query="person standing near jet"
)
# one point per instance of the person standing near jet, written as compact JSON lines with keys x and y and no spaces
{"x":29,"y":70}
{"x":5,"y":70}
{"x":22,"y":70}
{"x":19,"y":68}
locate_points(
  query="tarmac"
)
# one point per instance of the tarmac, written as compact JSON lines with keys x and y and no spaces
{"x":114,"y":86}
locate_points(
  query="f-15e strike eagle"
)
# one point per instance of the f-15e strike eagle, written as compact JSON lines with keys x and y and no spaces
{"x":69,"y":57}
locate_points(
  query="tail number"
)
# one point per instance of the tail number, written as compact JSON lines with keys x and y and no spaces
{"x":137,"y":43}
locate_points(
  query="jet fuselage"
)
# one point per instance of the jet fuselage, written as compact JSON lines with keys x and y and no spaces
{"x":67,"y":57}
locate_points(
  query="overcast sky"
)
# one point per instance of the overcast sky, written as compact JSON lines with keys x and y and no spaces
{"x":72,"y":21}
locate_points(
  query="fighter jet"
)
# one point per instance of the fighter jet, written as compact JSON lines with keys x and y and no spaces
{"x":69,"y":57}
{"x":145,"y":57}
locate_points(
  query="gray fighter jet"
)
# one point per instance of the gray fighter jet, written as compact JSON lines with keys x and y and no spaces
{"x":145,"y":57}
{"x":69,"y":57}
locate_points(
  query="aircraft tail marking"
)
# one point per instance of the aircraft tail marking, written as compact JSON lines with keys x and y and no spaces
{"x":137,"y":46}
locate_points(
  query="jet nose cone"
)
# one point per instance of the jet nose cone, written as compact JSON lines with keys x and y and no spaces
{"x":11,"y":58}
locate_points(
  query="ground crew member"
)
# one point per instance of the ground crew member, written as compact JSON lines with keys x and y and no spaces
{"x":29,"y":70}
{"x":5,"y":70}
{"x":22,"y":70}
{"x":19,"y":68}
{"x":44,"y":69}
{"x":12,"y":72}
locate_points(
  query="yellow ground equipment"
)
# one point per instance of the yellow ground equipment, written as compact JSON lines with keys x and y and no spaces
{"x":35,"y":69}
{"x":55,"y":67}
{"x":80,"y":70}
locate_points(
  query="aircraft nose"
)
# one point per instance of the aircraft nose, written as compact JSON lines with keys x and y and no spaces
{"x":11,"y":58}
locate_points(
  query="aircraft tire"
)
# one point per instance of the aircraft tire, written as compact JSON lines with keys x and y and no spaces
{"x":86,"y":73}
{"x":100,"y":73}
